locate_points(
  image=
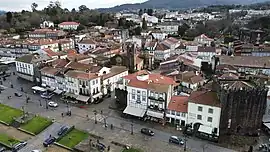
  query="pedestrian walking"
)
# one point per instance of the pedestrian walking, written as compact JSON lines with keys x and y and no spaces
{"x":108,"y":148}
{"x":62,"y":114}
{"x":50,"y":135}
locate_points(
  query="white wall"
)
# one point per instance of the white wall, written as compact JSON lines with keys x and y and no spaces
{"x":25,"y":68}
{"x":85,"y":47}
{"x":193,"y":112}
{"x":132,"y":102}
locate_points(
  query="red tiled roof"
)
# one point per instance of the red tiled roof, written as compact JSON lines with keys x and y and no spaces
{"x":205,"y":97}
{"x":162,"y":47}
{"x":60,"y":63}
{"x":50,"y":70}
{"x":71,"y":51}
{"x":134,"y":75}
{"x":149,"y":85}
{"x":69,"y":23}
{"x":179,"y":104}
{"x":50,"y":53}
{"x":81,"y":75}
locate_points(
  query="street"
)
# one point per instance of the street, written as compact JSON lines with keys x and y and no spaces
{"x":79,"y":117}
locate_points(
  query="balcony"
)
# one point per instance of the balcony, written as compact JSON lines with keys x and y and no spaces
{"x":157,"y":99}
{"x":156,"y":108}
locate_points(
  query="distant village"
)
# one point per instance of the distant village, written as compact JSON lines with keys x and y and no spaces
{"x":204,"y":86}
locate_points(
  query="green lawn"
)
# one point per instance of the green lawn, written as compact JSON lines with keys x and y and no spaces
{"x":8,"y":140}
{"x":132,"y":150}
{"x":8,"y":113}
{"x":36,"y":125}
{"x":73,"y":138}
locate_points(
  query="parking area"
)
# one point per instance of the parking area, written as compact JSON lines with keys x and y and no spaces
{"x":54,"y":148}
{"x":37,"y":141}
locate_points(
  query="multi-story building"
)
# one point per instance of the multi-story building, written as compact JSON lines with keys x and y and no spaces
{"x":13,"y":49}
{"x":46,"y":34}
{"x":66,"y":44}
{"x":69,"y":25}
{"x":86,"y":45}
{"x":204,"y":40}
{"x":148,"y":94}
{"x":204,"y":111}
{"x":162,"y":52}
{"x":177,"y":111}
{"x":169,"y":27}
{"x":43,"y":44}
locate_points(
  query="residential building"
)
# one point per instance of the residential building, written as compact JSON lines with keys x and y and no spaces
{"x":159,"y":35}
{"x":246,"y":64}
{"x":172,"y":43}
{"x":148,"y":18}
{"x":86,"y":45}
{"x":206,"y":53}
{"x":177,"y":111}
{"x":66,"y":44}
{"x":27,"y":66}
{"x":148,"y":94}
{"x":204,"y":111}
{"x":43,"y":44}
{"x":169,"y":27}
{"x":162,"y":52}
{"x":46,"y":34}
{"x":69,"y":25}
{"x":13,"y":49}
{"x":204,"y":40}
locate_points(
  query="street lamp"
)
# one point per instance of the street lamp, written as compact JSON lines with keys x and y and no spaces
{"x":105,"y":123}
{"x":95,"y":113}
{"x":185,"y":146}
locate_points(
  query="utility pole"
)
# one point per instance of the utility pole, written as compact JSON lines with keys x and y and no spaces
{"x":185,"y":144}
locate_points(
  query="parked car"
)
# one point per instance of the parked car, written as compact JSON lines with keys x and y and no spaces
{"x":46,"y":95}
{"x":62,"y":130}
{"x":19,"y":146}
{"x":52,"y":104}
{"x":36,"y":151}
{"x":147,"y":131}
{"x":49,"y":141}
{"x":176,"y":140}
{"x":17,"y":94}
{"x":2,"y":149}
{"x":98,"y":101}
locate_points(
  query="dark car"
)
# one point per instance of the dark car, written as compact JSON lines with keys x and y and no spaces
{"x":98,"y":101}
{"x":62,"y":130}
{"x":17,"y":94}
{"x":19,"y":146}
{"x":147,"y":131}
{"x":49,"y":141}
{"x":46,"y":95}
{"x":176,"y":140}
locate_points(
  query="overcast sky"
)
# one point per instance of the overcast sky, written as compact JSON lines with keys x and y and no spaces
{"x":18,"y":5}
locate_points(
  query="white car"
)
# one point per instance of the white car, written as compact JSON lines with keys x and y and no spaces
{"x":52,"y":104}
{"x":36,"y":151}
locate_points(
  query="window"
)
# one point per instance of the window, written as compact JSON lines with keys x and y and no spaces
{"x":133,"y":96}
{"x":93,"y":82}
{"x":177,"y":113}
{"x":199,"y":108}
{"x":210,"y":110}
{"x":138,"y":92}
{"x":183,"y":114}
{"x":209,"y":119}
{"x":133,"y":91}
{"x":199,"y":117}
{"x":173,"y":112}
{"x":138,"y":97}
{"x":143,"y":98}
{"x":96,"y":81}
{"x":144,"y":93}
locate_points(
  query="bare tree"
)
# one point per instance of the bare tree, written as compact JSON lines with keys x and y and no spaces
{"x":34,"y":6}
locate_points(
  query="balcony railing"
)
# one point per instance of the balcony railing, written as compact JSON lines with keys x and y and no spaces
{"x":156,"y":109}
{"x":157,"y":99}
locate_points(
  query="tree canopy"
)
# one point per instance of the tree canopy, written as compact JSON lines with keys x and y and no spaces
{"x":26,"y":20}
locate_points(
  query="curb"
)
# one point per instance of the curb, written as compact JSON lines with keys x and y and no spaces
{"x":6,"y":145}
{"x":63,"y":146}
{"x":28,"y":132}
{"x":2,"y":122}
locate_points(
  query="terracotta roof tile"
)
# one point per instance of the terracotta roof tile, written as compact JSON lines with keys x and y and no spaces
{"x":50,"y":52}
{"x":59,"y":63}
{"x":179,"y":104}
{"x":81,"y":75}
{"x":205,"y":97}
{"x":69,"y":23}
{"x":162,"y":47}
{"x":88,"y":41}
{"x":50,"y":70}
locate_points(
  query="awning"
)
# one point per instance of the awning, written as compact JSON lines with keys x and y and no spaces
{"x":50,"y":89}
{"x":135,"y":111}
{"x":58,"y":91}
{"x":82,"y":98}
{"x":267,"y":125}
{"x":97,"y":95}
{"x":70,"y":95}
{"x":205,"y":129}
{"x":155,"y":114}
